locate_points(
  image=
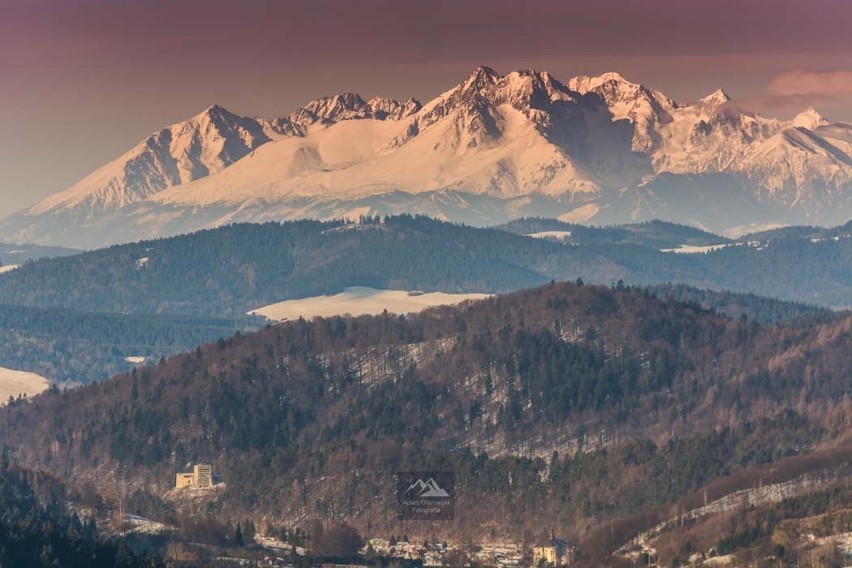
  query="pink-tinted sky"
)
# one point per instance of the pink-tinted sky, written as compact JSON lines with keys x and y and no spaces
{"x":81,"y":81}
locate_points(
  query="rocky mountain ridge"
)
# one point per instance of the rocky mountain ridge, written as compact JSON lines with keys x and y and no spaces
{"x":594,"y":149}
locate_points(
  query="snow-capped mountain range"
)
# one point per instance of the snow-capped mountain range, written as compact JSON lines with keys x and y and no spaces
{"x":593,"y":149}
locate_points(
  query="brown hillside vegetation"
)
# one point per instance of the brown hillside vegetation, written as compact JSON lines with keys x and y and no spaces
{"x":565,"y":407}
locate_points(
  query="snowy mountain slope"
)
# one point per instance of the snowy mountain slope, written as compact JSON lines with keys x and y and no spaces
{"x":349,"y":160}
{"x":787,"y":161}
{"x":647,"y":110}
{"x":599,"y":149}
{"x":204,"y":144}
{"x":181,"y":153}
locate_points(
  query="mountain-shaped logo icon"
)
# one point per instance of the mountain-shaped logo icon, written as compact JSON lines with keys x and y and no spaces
{"x":428,"y":488}
{"x":425,"y":495}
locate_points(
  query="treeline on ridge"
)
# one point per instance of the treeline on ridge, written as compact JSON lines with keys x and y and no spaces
{"x":228,"y":271}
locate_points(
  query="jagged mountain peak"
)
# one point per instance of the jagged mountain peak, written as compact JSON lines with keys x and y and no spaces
{"x":809,"y":118}
{"x":351,"y":106}
{"x":481,"y":77}
{"x":530,"y":89}
{"x":330,"y":109}
{"x":716,"y":98}
{"x":480,"y":81}
{"x":538,"y":79}
{"x":587,"y":83}
{"x":485,"y":82}
{"x":616,"y":90}
{"x":473,"y":97}
{"x":182,"y":152}
{"x":215,"y":117}
{"x":613,"y":76}
{"x":343,"y":100}
{"x":646,"y":109}
{"x":215,"y":108}
{"x":605,"y":77}
{"x":478,"y":121}
{"x":392,"y":109}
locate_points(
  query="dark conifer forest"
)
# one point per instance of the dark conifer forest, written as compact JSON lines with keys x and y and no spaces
{"x":38,"y":531}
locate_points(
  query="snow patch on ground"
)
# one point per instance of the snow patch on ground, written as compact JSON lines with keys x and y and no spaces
{"x":360,"y":300}
{"x":135,"y":359}
{"x":726,"y":560}
{"x":275,"y":544}
{"x":561,"y":235}
{"x":9,"y":268}
{"x":690,"y":249}
{"x":742,"y":230}
{"x":580,"y":214}
{"x":141,"y":525}
{"x":835,"y":238}
{"x":356,"y":213}
{"x":13,"y":383}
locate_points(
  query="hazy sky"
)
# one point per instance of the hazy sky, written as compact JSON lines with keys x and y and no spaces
{"x":81,"y":81}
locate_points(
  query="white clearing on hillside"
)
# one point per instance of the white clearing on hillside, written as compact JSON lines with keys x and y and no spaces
{"x":360,"y":300}
{"x":141,"y":525}
{"x":9,"y":268}
{"x":690,"y":249}
{"x":580,"y":214}
{"x":13,"y":383}
{"x":135,"y":359}
{"x":561,"y":235}
{"x":742,"y":230}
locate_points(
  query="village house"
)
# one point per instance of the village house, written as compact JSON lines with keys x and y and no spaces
{"x":554,"y":552}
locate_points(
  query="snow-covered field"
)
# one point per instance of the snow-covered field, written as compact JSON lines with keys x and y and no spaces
{"x":9,"y":268}
{"x":141,"y":525}
{"x":359,"y":300}
{"x":689,"y":249}
{"x":561,"y":235}
{"x":742,"y":230}
{"x":13,"y":383}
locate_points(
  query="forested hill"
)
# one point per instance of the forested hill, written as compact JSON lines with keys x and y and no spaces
{"x":653,"y":234}
{"x":20,"y":253}
{"x":234,"y":269}
{"x":736,"y":305}
{"x":231,"y":270}
{"x":563,"y":406}
{"x":36,"y":534}
{"x":68,"y":346}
